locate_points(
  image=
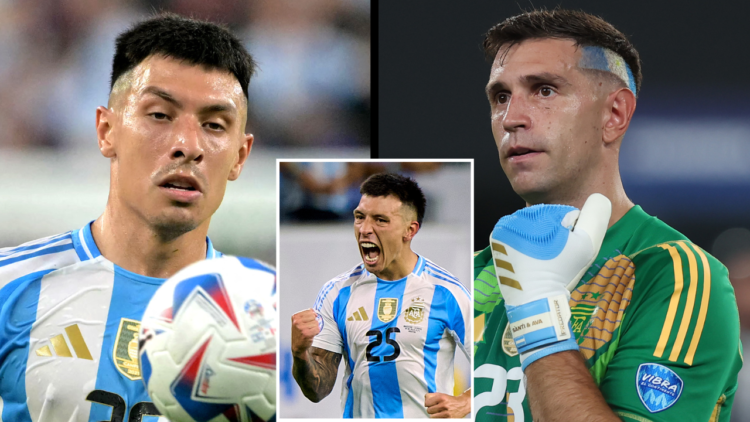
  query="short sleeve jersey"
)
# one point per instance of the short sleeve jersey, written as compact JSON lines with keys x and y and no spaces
{"x":68,"y":333}
{"x":398,"y":337}
{"x":655,"y":318}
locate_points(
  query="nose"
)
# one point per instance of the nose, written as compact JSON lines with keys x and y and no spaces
{"x":516,"y":115}
{"x":365,"y":228}
{"x":188,"y":142}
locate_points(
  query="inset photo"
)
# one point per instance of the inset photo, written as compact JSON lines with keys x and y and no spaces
{"x":374,"y":268}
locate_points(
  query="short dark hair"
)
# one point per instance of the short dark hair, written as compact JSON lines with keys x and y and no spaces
{"x":402,"y":187}
{"x":583,"y":28}
{"x":190,"y":40}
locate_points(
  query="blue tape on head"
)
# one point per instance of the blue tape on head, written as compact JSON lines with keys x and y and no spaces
{"x":594,"y":58}
{"x":535,"y":231}
{"x":631,"y":79}
{"x":604,"y":59}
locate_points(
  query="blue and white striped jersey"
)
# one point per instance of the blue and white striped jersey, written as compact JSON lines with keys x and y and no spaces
{"x":68,"y":333}
{"x":54,"y":252}
{"x":398,"y":337}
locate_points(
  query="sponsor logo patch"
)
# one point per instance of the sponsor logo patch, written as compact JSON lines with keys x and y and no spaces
{"x":125,"y":352}
{"x":658,"y":386}
{"x":359,"y":315}
{"x":387,"y":308}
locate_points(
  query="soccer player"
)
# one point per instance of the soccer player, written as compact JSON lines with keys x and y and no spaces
{"x":396,"y":318}
{"x":654,"y":318}
{"x":70,"y":305}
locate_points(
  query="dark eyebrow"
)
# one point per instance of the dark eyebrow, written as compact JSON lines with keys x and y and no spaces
{"x":216,"y":108}
{"x":209,"y":109}
{"x":492,"y":88}
{"x":163,"y":95}
{"x":544,"y":77}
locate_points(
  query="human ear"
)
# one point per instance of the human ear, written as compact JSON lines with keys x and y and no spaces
{"x":104,"y":119}
{"x":411,"y":231}
{"x":242,"y":154}
{"x":620,"y":108}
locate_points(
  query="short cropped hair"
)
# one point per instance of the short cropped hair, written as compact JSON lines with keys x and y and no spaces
{"x":190,"y":40}
{"x":583,"y":28}
{"x":402,"y":187}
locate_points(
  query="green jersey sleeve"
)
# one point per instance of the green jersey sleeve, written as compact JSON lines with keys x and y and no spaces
{"x":676,"y":353}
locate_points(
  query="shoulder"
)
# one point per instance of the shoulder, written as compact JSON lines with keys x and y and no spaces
{"x":651,"y":231}
{"x":678,"y":278}
{"x":659,"y":251}
{"x":48,"y":253}
{"x":678,"y":259}
{"x":684,"y":272}
{"x":254,"y":264}
{"x":441,"y":277}
{"x":98,"y":267}
{"x":333,"y":286}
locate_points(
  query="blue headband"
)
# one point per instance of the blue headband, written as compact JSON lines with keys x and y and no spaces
{"x":600,"y":58}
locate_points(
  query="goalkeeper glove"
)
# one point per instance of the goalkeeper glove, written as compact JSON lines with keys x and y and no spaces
{"x":540,"y":254}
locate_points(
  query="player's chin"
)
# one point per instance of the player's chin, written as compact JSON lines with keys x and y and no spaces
{"x":373,"y":267}
{"x":175,"y":222}
{"x":528,"y":185}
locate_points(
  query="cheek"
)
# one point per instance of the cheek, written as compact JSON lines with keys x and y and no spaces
{"x":218,"y":146}
{"x":578,"y":133}
{"x":221,"y":156}
{"x":561,"y":122}
{"x":137,"y":148}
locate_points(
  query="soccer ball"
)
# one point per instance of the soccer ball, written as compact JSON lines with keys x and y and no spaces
{"x":208,"y":343}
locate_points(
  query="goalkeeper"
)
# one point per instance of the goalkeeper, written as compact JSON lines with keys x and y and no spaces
{"x":603,"y":314}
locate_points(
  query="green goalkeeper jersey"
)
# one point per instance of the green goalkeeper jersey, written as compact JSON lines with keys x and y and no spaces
{"x":655,"y":318}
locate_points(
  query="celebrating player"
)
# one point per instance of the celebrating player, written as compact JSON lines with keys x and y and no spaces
{"x":174,"y":132}
{"x":396,"y":318}
{"x":655,"y":328}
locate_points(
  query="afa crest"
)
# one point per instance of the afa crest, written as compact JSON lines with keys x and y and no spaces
{"x":580,"y":317}
{"x":387,"y":308}
{"x":125,"y":353}
{"x":415,"y":313}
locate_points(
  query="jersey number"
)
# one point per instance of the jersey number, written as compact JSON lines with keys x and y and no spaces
{"x":378,"y":340}
{"x":500,"y":378}
{"x":137,"y":412}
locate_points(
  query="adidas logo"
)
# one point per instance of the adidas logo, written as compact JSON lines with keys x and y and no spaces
{"x":60,"y":345}
{"x":358,"y":315}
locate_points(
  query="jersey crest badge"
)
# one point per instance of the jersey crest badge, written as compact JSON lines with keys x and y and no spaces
{"x":125,"y":353}
{"x":580,"y":317}
{"x":509,"y":346}
{"x":387,"y":307}
{"x":415,"y":313}
{"x":658,"y":386}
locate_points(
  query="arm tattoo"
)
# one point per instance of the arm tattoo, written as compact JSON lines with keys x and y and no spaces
{"x":316,"y":374}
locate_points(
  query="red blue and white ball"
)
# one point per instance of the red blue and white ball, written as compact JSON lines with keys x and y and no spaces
{"x":208,"y":343}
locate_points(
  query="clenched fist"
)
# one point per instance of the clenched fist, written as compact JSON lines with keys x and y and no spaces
{"x":441,"y":405}
{"x":304,"y":328}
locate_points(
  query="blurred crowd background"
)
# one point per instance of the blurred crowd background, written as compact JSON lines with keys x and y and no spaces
{"x":685,"y":158}
{"x":317,"y":243}
{"x":310,"y":97}
{"x":312,"y":88}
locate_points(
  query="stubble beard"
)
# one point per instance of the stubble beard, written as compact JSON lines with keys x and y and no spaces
{"x":168,"y":228}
